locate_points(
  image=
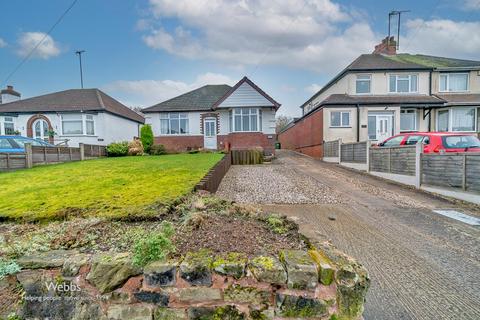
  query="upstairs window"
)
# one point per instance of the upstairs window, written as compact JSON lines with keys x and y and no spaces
{"x":363,"y":83}
{"x":174,"y":123}
{"x":403,"y":83}
{"x":339,"y":119}
{"x":453,"y":82}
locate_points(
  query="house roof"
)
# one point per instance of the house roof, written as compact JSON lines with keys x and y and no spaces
{"x":9,"y":90}
{"x":460,"y":98}
{"x":433,"y":61}
{"x":254,"y":86}
{"x":345,"y":99}
{"x":196,"y":100}
{"x":73,"y":100}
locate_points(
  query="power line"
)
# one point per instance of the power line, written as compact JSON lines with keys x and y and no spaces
{"x":27,"y":57}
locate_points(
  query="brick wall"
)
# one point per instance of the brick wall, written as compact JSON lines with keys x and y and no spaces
{"x":180,"y":143}
{"x":306,"y":136}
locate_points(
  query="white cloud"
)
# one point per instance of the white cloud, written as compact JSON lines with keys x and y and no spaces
{"x":455,"y":39}
{"x":3,"y":43}
{"x":311,"y":34}
{"x":28,"y":40}
{"x":313,"y":88}
{"x":472,"y":4}
{"x":145,"y":93}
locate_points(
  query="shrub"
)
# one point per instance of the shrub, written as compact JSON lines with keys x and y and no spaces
{"x":154,"y":247}
{"x":117,"y":149}
{"x":8,"y":267}
{"x":135,"y":148}
{"x":146,"y":135}
{"x":157,"y":149}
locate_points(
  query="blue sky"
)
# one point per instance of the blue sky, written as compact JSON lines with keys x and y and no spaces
{"x":143,"y":52}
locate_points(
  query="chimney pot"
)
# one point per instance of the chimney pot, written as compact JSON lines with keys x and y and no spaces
{"x":10,"y":87}
{"x":387,"y":46}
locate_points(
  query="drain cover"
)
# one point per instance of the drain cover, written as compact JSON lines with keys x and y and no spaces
{"x":459,"y":216}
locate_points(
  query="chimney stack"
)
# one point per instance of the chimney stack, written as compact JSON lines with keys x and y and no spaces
{"x":9,"y":95}
{"x":388,"y":46}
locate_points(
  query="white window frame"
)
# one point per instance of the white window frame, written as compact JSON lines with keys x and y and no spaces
{"x":245,"y":112}
{"x":4,"y":122}
{"x":181,"y":116}
{"x":342,"y":125}
{"x":448,"y":74}
{"x":407,"y":111}
{"x":450,"y":118}
{"x":83,"y":118}
{"x":409,"y":76}
{"x":358,"y":80}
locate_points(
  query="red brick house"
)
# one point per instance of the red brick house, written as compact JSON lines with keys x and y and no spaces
{"x":216,"y":117}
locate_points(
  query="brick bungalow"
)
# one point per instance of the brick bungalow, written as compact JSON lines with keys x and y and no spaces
{"x":216,"y":117}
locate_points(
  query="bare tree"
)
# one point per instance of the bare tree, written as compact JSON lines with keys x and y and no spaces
{"x":282,"y":122}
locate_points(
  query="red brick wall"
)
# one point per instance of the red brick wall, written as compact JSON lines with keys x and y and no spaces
{"x":240,"y":140}
{"x":248,"y":140}
{"x":306,"y":136}
{"x":180,"y":143}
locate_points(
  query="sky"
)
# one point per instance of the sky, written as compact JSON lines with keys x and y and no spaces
{"x":146,"y":51}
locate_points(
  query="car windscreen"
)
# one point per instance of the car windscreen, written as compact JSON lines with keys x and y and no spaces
{"x":460,"y":142}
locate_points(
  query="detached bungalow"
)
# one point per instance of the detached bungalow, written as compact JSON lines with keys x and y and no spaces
{"x":70,"y":117}
{"x":216,"y":117}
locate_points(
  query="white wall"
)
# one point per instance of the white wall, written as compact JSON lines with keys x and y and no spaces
{"x":108,"y":128}
{"x":245,"y":96}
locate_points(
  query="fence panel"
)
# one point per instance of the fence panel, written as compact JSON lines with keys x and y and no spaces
{"x":330,"y":149}
{"x":94,"y":151}
{"x":12,"y":161}
{"x":472,"y":172}
{"x":397,"y":160}
{"x":354,"y":152}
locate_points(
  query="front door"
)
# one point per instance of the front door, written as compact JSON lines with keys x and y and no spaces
{"x":210,"y":133}
{"x":40,"y":130}
{"x":384,"y":127}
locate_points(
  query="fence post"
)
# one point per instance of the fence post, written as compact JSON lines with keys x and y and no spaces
{"x":28,"y":155}
{"x":418,"y":164}
{"x":339,"y":151}
{"x":464,"y":173}
{"x":389,"y":159}
{"x":368,"y":155}
{"x":82,"y":151}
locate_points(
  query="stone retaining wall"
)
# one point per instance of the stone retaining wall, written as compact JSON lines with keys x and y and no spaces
{"x":319,"y":284}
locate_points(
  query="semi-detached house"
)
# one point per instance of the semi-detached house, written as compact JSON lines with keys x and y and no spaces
{"x":384,"y":93}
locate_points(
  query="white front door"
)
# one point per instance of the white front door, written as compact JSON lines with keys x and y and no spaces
{"x":40,"y":130}
{"x":210,"y":133}
{"x":384,"y":127}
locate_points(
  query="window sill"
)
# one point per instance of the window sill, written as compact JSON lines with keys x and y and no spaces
{"x":341,"y":127}
{"x":77,"y":135}
{"x":245,"y":132}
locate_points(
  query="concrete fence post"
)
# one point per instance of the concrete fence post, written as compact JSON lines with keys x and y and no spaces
{"x":28,"y":155}
{"x":340,"y":150}
{"x":368,"y":155}
{"x":464,"y":173}
{"x":418,"y":164}
{"x":82,"y":151}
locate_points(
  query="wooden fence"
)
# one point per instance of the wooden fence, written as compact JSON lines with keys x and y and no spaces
{"x":36,"y":155}
{"x":240,"y":157}
{"x":330,"y":149}
{"x":355,"y":152}
{"x":453,"y":170}
{"x":397,"y":160}
{"x":212,"y":179}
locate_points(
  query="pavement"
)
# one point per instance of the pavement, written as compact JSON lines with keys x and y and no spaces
{"x":423,"y":265}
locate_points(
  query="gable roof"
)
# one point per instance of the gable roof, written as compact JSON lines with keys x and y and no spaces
{"x":398,"y":62}
{"x":275,"y":104}
{"x":73,"y":100}
{"x":196,"y":100}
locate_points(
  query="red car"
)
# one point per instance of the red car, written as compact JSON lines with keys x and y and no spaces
{"x":436,"y":141}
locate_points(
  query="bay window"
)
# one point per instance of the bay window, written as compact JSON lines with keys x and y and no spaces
{"x":340,"y":119}
{"x":174,"y":123}
{"x":78,"y":124}
{"x":8,"y":126}
{"x":245,"y":120}
{"x":453,"y":82}
{"x":457,"y":119}
{"x":403,"y":83}
{"x":363,"y":83}
{"x":408,"y":120}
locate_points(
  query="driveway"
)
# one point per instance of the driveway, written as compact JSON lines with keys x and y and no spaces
{"x":422,"y":265}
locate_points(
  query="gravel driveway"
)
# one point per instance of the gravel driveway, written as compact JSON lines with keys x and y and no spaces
{"x":422,"y":265}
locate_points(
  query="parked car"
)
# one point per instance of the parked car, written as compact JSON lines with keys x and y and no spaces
{"x":436,"y":141}
{"x":12,"y":144}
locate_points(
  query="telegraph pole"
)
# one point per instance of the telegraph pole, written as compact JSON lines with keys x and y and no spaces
{"x":79,"y":53}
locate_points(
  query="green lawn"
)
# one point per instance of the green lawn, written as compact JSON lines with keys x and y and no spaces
{"x":109,"y":187}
